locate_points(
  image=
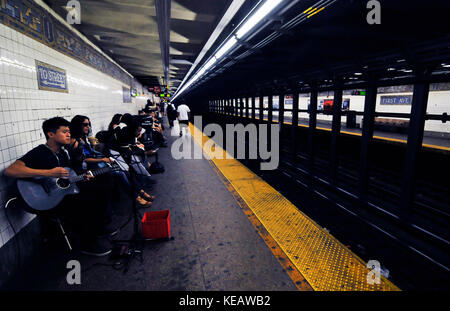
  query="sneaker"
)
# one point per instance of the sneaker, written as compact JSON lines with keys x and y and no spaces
{"x":95,"y":248}
{"x":142,"y":203}
{"x":146,"y":196}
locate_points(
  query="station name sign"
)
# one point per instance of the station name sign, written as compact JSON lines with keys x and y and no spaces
{"x":51,"y":78}
{"x":126,"y":95}
{"x":396,"y":100}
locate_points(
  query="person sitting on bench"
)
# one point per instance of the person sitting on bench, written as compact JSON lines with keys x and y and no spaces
{"x":85,"y":210}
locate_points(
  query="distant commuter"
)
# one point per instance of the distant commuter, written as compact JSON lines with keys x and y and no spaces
{"x":183,"y":117}
{"x":171,"y":114}
{"x":150,"y":105}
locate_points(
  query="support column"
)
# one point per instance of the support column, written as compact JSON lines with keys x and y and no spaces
{"x":312,"y":126}
{"x":414,"y":144}
{"x":335,"y":132}
{"x":367,"y":138}
{"x":294,"y":124}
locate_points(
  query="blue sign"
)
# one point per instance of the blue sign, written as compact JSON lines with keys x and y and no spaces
{"x":346,"y":104}
{"x":126,"y":95}
{"x":51,"y":78}
{"x":396,"y":100}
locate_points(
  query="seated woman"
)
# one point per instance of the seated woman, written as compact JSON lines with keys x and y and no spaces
{"x":115,"y":121}
{"x":85,"y":157}
{"x":125,"y":142}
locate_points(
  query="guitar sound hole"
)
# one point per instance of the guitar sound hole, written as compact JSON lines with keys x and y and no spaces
{"x":63,"y":183}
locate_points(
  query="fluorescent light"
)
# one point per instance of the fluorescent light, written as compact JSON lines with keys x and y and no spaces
{"x":201,"y":72}
{"x":226,"y":47}
{"x":358,"y":74}
{"x":265,"y":9}
{"x":210,"y":63}
{"x":260,"y":13}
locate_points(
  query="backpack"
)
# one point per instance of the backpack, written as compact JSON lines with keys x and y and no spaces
{"x":156,"y":168}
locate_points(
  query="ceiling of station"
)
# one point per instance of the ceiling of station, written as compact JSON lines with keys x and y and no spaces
{"x":128,"y":32}
{"x":336,"y":42}
{"x":192,"y":22}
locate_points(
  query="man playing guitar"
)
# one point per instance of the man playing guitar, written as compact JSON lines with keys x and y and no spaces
{"x":49,"y":160}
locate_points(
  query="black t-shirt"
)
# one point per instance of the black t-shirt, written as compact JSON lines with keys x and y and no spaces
{"x":42,"y":157}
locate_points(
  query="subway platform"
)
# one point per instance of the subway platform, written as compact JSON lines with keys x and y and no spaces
{"x":230,"y":231}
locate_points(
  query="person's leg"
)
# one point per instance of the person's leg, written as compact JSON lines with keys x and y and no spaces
{"x":96,"y":211}
{"x":184,"y":127}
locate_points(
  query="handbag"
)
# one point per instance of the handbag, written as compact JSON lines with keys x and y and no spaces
{"x":156,"y":168}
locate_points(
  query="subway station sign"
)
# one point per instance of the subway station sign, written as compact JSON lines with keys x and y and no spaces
{"x":126,"y":92}
{"x":396,"y":100}
{"x":51,"y":78}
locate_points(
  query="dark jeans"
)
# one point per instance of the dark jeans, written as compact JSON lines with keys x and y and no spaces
{"x":90,"y":210}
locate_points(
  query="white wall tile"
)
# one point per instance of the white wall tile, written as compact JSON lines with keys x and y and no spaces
{"x":23,"y":107}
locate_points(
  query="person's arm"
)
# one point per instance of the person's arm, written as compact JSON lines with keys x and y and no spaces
{"x":19,"y":170}
{"x":94,"y":160}
{"x":74,"y":145}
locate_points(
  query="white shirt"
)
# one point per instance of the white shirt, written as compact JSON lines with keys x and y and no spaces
{"x":183,"y":111}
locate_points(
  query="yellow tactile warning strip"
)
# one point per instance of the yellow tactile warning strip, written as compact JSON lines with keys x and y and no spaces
{"x":325,"y":263}
{"x":288,"y":266}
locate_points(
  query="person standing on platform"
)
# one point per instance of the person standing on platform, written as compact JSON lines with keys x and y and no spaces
{"x":183,"y":117}
{"x":171,"y":113}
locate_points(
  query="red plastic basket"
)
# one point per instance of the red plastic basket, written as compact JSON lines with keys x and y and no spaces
{"x":156,"y":224}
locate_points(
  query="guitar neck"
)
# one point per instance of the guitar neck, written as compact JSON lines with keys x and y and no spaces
{"x":94,"y":173}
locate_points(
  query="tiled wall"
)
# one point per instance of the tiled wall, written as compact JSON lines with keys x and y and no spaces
{"x":23,"y":107}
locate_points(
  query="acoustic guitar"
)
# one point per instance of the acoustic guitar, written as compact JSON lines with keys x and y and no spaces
{"x":44,"y":193}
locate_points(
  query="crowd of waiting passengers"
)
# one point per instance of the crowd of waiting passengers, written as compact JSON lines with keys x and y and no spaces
{"x":128,"y":147}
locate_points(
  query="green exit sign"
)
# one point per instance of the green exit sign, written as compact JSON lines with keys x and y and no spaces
{"x":360,"y":93}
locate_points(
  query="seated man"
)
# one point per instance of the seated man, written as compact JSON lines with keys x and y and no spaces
{"x":49,"y":160}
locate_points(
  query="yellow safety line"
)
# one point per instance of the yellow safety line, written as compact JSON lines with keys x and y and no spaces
{"x":376,"y":137}
{"x":315,"y":12}
{"x":297,"y":278}
{"x":308,"y":10}
{"x":324,"y":262}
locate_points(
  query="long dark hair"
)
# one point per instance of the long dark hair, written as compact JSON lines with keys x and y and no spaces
{"x":76,"y":127}
{"x":114,"y":121}
{"x":127,"y":135}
